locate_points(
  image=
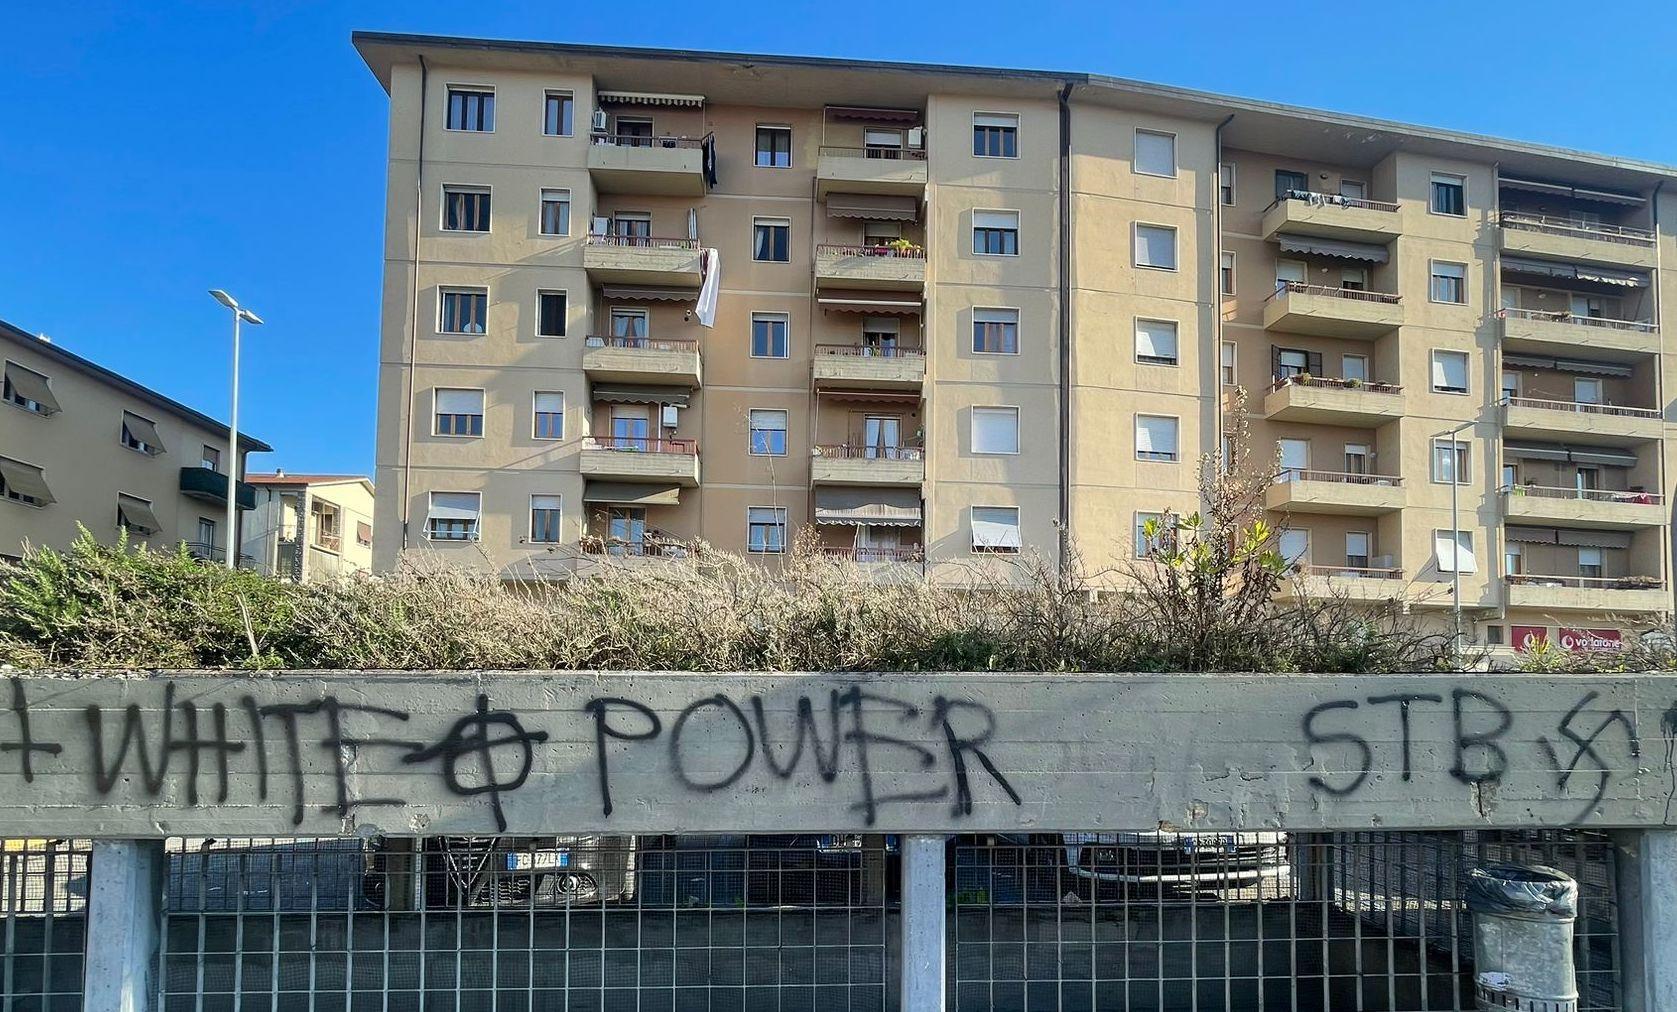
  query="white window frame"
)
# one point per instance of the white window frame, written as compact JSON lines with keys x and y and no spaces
{"x":559,"y":509}
{"x":1363,"y":366}
{"x":1226,"y":272}
{"x":771,"y":221}
{"x":785,"y":128}
{"x":1176,"y":425}
{"x":1228,"y":364}
{"x":541,"y":209}
{"x":1460,"y":180}
{"x":1229,"y":184}
{"x":1467,"y":372}
{"x":442,"y":209}
{"x":996,"y":549}
{"x":1462,"y":461}
{"x":751,"y":335}
{"x":1462,"y":541}
{"x":1432,"y":275}
{"x":751,"y":431}
{"x":1135,"y":149}
{"x":1302,"y":559}
{"x":781,"y":522}
{"x":1159,"y":360}
{"x":476,"y":533}
{"x":482,"y":412}
{"x":449,"y":88}
{"x":1018,"y":230}
{"x":1175,"y":246}
{"x":988,"y":410}
{"x":1140,"y":547}
{"x":536,"y":413}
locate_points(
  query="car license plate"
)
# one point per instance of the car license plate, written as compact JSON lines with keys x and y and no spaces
{"x":541,"y":860}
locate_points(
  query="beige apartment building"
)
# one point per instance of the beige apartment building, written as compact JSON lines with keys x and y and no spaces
{"x":80,"y":444}
{"x":958,"y":312}
{"x":310,"y":527}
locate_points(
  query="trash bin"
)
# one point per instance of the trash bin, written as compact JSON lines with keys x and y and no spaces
{"x":1522,"y":937}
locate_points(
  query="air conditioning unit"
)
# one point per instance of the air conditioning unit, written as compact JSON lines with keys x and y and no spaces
{"x":599,"y":225}
{"x":600,"y":121}
{"x":672,"y":416}
{"x":916,"y":137}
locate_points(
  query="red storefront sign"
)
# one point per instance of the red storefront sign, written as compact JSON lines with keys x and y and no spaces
{"x":1590,"y":639}
{"x":1524,"y":637}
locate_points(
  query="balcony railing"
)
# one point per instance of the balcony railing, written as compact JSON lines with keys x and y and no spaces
{"x":214,"y":553}
{"x":1291,"y":474}
{"x":642,"y":141}
{"x":906,"y":553}
{"x":644,"y":549}
{"x":1563,"y":316}
{"x":1336,"y":384}
{"x":638,"y":343}
{"x":640,"y":444}
{"x":865,"y":351}
{"x":641,"y":241}
{"x":1355,"y":294}
{"x":1353,"y":572}
{"x":1552,"y":225}
{"x":1580,"y":407}
{"x":1635,"y":497}
{"x":328,"y":542}
{"x":846,"y":451}
{"x":888,"y":154}
{"x":1315,"y":199}
{"x":1588,"y":582}
{"x":903,"y":252}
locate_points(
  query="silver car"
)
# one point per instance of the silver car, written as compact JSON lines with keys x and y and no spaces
{"x":1165,"y":860}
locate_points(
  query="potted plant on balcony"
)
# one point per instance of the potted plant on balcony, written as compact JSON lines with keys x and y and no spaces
{"x":902,"y":247}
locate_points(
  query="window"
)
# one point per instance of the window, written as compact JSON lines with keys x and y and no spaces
{"x":1510,"y":475}
{"x":1586,"y":391}
{"x":773,"y":240}
{"x":1155,"y":438}
{"x":1290,"y":362}
{"x":550,"y":314}
{"x":1589,"y":563}
{"x":210,"y":458}
{"x":1354,"y":367}
{"x":765,"y":529}
{"x":1449,"y":194}
{"x":462,"y":310}
{"x":453,"y":516}
{"x":774,"y":147}
{"x":1449,"y":372}
{"x":1225,"y":183}
{"x":28,"y":390}
{"x":1155,"y":246}
{"x":995,"y":135}
{"x":465,"y":209}
{"x":471,"y":109}
{"x":1449,"y":282}
{"x":545,"y":514}
{"x":135,"y":515}
{"x":1353,"y":279}
{"x":768,"y":335}
{"x":140,"y":434}
{"x":1350,"y":189}
{"x":1510,"y":385}
{"x":556,"y":212}
{"x":364,"y":534}
{"x":1448,"y":466}
{"x":995,"y":529}
{"x":558,"y":112}
{"x":1454,"y":551}
{"x":1228,"y":363}
{"x":206,"y":532}
{"x":459,"y":412}
{"x":995,"y":331}
{"x":1356,"y":549}
{"x":1356,"y":458}
{"x":1225,"y":273}
{"x":995,"y":233}
{"x":1155,"y":153}
{"x":880,"y":335}
{"x":1146,"y":545}
{"x":1287,"y":181}
{"x":995,"y":430}
{"x":325,"y":517}
{"x":1513,"y":559}
{"x":23,"y":483}
{"x":1294,"y":546}
{"x":1155,"y":342}
{"x":882,"y":143}
{"x":549,"y":415}
{"x":1291,"y":272}
{"x":768,"y":432}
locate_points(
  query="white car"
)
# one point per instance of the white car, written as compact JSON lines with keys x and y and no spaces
{"x":1183,"y":860}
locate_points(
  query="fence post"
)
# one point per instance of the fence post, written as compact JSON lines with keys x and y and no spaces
{"x":1647,"y":881}
{"x":124,"y":919}
{"x":923,"y":932}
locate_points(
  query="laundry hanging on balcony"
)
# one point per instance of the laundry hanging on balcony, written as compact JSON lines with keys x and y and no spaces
{"x":711,"y":270}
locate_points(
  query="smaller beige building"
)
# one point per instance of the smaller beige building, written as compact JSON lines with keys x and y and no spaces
{"x":80,"y":444}
{"x":310,"y":526}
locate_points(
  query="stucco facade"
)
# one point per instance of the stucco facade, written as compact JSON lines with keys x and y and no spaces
{"x":310,"y":527}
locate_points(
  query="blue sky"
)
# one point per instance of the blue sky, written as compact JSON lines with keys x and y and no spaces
{"x":151,"y":151}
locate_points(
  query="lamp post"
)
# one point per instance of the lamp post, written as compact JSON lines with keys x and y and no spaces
{"x":1456,"y":538}
{"x":240,"y":315}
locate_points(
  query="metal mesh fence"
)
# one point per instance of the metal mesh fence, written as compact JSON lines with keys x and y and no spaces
{"x":602,"y":923}
{"x":43,"y":924}
{"x":1087,"y":922}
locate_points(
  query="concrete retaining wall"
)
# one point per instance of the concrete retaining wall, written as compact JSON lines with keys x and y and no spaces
{"x":564,"y":752}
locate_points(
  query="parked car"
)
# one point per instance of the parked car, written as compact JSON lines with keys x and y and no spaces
{"x":540,"y":871}
{"x":1161,"y":861}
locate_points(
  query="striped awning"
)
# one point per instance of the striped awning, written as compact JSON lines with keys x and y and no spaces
{"x":1576,"y":454}
{"x":872,"y":207}
{"x":650,"y":98}
{"x":1530,"y":535}
{"x":863,"y":114}
{"x":1575,"y":272}
{"x":883,"y":507}
{"x":1333,"y":248}
{"x":628,"y":493}
{"x":1577,"y":365}
{"x":649,"y":293}
{"x":1593,"y":539}
{"x":679,"y":396}
{"x":871,"y":303}
{"x":1562,"y":190}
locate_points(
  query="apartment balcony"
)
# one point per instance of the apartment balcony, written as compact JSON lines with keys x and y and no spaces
{"x":629,"y":458}
{"x":1298,"y":308}
{"x":204,"y":552}
{"x":867,"y":465}
{"x":1578,"y":421}
{"x":1563,"y":333}
{"x":1571,"y":239}
{"x":876,"y":268}
{"x":641,"y":360}
{"x":642,"y":260}
{"x":653,"y":551}
{"x":854,"y":367}
{"x":209,"y":486}
{"x":1300,"y":490}
{"x":890,"y":171}
{"x":668,"y":166}
{"x":1351,"y":403}
{"x":1332,"y":217}
{"x":1576,"y":507}
{"x":1348,"y":583}
{"x":1582,"y":593}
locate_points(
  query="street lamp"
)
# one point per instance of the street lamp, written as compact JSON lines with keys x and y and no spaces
{"x":1456,"y":536}
{"x":240,"y":315}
